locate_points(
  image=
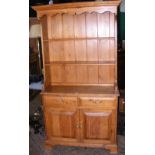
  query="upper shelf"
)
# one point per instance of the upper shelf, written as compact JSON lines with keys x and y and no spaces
{"x":77,"y":7}
{"x":90,"y":38}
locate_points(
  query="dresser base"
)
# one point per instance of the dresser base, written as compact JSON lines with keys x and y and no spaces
{"x":112,"y":148}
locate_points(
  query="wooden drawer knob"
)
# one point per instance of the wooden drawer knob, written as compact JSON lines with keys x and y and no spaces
{"x":95,"y":101}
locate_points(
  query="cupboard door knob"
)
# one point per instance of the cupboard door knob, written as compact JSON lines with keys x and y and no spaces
{"x":77,"y":126}
{"x":80,"y":126}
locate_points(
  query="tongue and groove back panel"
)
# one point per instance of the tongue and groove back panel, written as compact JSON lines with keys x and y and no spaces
{"x":79,"y":49}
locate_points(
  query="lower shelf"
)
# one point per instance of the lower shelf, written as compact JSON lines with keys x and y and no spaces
{"x":97,"y":90}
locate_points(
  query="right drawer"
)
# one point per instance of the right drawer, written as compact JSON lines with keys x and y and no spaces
{"x":97,"y":102}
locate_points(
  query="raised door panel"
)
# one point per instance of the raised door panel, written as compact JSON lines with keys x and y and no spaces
{"x":96,"y":125}
{"x":61,"y":123}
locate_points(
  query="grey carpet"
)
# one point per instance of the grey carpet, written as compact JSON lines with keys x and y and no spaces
{"x":37,"y":148}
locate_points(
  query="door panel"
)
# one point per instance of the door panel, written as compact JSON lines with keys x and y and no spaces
{"x":96,"y":124}
{"x":61,"y":123}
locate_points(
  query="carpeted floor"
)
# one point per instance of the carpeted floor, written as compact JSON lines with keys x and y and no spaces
{"x":36,"y":141}
{"x":37,"y":148}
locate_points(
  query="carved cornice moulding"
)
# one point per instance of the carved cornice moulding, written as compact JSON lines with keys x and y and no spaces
{"x":78,"y":11}
{"x":77,"y":8}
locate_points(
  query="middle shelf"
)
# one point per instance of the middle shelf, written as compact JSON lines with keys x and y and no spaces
{"x":79,"y":38}
{"x":81,"y":62}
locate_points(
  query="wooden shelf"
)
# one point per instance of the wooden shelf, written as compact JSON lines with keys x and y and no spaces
{"x":98,"y":90}
{"x":82,"y":62}
{"x":90,"y":38}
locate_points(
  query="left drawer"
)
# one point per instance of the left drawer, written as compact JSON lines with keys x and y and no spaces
{"x":59,"y":101}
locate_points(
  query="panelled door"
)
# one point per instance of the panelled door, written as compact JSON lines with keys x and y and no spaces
{"x":61,"y":123}
{"x":96,"y":125}
{"x":61,"y":117}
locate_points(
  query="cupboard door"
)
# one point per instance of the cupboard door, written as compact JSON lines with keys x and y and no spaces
{"x":96,"y":125}
{"x":61,"y":123}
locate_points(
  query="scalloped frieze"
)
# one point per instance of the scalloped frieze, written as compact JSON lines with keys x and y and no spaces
{"x":78,"y":11}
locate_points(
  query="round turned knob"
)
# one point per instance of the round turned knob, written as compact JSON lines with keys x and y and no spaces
{"x":77,"y":125}
{"x":80,"y":126}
